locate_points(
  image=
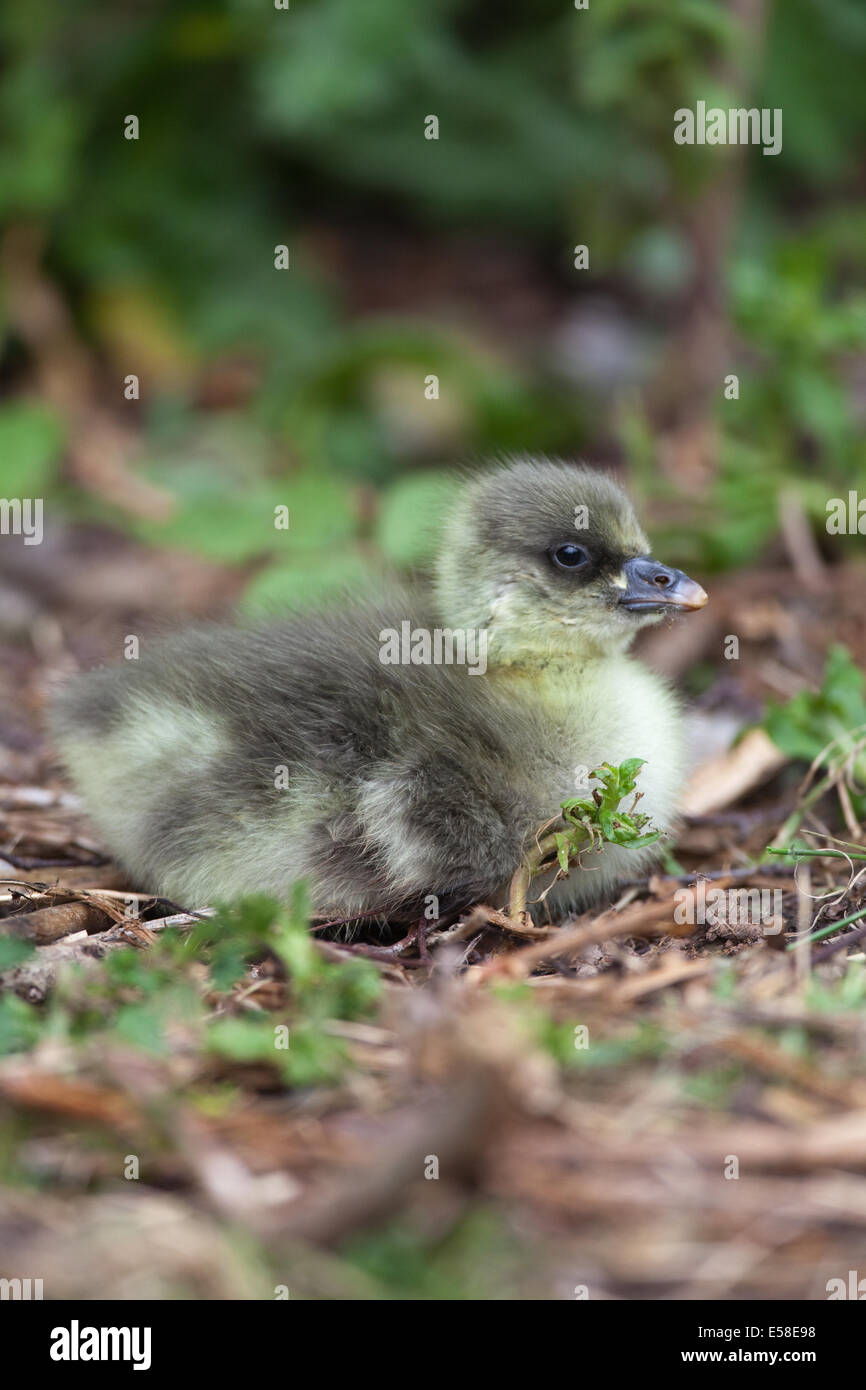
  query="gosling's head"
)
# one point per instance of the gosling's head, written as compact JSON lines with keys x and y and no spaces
{"x":550,"y":558}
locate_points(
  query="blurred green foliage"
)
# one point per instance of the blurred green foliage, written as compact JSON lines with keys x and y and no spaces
{"x":154,"y":1000}
{"x":30,"y":443}
{"x":481,"y":1256}
{"x":260,"y":127}
{"x":826,"y":726}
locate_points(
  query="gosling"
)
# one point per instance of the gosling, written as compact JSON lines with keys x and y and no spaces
{"x":403,"y":754}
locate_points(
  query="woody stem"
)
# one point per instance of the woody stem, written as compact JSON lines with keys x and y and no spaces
{"x":543,"y":847}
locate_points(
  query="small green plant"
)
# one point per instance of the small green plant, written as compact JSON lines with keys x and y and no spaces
{"x":827,"y":724}
{"x":320,"y":991}
{"x":590,"y":823}
{"x":827,"y":729}
{"x":599,"y":818}
{"x":157,"y":1000}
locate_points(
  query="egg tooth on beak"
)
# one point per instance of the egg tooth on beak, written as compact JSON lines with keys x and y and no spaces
{"x":654,"y":588}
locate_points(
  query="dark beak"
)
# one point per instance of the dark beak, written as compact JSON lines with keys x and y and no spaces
{"x":653,"y":588}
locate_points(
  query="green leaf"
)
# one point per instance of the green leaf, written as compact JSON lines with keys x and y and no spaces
{"x":243,"y":1039}
{"x":20,"y":1024}
{"x":313,"y":579}
{"x":411,"y":515}
{"x":143,"y":1026}
{"x":31,"y":441}
{"x":14,"y":951}
{"x":810,"y":720}
{"x":629,"y":771}
{"x":562,"y":847}
{"x":227,"y":964}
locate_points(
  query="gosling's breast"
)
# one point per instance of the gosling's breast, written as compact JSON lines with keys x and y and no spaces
{"x":608,"y":712}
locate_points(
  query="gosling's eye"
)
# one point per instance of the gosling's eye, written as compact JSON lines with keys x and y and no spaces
{"x":569,"y":557}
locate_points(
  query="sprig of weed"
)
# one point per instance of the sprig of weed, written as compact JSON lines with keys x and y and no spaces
{"x":590,"y":823}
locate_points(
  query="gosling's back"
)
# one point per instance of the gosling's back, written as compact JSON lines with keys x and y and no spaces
{"x":227,"y":761}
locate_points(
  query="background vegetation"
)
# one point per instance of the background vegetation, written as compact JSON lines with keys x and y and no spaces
{"x":412,"y":257}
